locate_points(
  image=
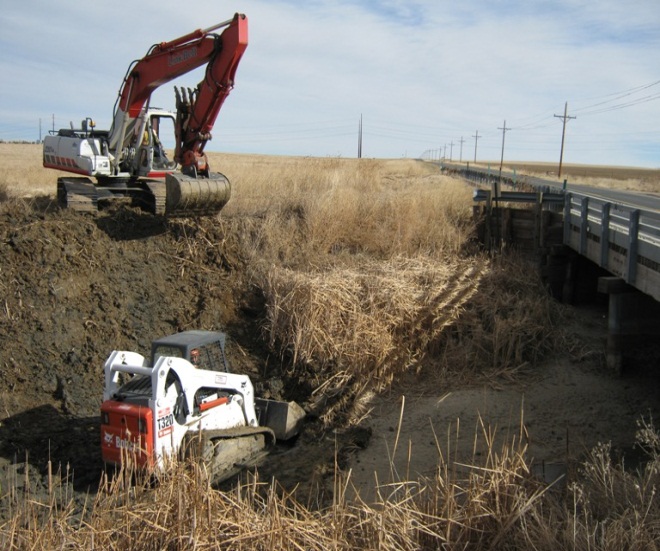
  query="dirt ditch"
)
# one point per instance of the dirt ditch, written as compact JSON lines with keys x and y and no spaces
{"x":73,"y":288}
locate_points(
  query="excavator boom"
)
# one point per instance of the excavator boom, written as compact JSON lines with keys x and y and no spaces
{"x":169,"y":60}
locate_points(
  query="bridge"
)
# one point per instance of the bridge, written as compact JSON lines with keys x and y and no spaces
{"x":616,"y":230}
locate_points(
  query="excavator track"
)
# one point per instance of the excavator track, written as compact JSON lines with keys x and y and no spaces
{"x":155,"y":199}
{"x":77,"y":194}
{"x":229,"y":451}
{"x":177,"y":196}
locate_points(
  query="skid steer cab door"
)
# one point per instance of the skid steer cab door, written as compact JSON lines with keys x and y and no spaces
{"x":171,"y":413}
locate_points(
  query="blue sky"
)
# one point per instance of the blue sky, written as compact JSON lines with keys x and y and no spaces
{"x":423,"y":74}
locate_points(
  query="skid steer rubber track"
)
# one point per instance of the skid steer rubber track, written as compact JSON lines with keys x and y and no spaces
{"x":201,"y":196}
{"x":227,"y":452}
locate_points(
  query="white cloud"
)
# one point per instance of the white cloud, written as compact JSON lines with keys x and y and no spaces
{"x":421,"y":73}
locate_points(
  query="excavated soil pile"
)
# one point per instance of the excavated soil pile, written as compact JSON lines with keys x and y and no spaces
{"x":75,"y":287}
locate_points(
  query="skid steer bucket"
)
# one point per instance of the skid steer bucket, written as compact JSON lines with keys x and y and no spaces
{"x":188,"y":196}
{"x":283,"y":418}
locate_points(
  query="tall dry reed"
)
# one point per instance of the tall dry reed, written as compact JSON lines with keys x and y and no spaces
{"x":314,"y":210}
{"x":490,"y":502}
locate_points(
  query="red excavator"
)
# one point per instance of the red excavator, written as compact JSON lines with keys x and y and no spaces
{"x":131,"y":160}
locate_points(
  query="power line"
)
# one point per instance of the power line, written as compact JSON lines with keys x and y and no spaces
{"x":621,"y":94}
{"x":624,"y":105}
{"x":618,"y":96}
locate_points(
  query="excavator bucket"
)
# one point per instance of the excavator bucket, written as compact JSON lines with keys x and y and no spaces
{"x":201,"y":196}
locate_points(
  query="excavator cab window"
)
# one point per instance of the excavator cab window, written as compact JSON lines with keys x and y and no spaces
{"x":162,"y":130}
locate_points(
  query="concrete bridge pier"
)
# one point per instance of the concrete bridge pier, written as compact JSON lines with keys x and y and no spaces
{"x":633,"y":321}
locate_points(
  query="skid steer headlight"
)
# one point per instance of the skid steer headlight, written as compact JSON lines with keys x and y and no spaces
{"x":105,"y":418}
{"x":142,"y":426}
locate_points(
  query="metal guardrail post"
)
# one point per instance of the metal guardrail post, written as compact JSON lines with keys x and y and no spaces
{"x":584,"y":225}
{"x":567,"y":218}
{"x":605,"y":235}
{"x":633,"y":239}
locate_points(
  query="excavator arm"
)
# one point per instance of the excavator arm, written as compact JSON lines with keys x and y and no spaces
{"x":196,"y":110}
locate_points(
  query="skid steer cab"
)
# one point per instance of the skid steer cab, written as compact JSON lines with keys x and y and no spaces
{"x":185,"y":400}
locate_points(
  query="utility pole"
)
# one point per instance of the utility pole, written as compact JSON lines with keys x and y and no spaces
{"x":476,"y":139}
{"x":444,"y":155}
{"x":53,"y":123}
{"x":503,"y":129}
{"x":460,"y":158}
{"x":565,"y":118}
{"x":496,"y":190}
{"x":39,"y":129}
{"x":451,"y":150}
{"x":360,"y":138}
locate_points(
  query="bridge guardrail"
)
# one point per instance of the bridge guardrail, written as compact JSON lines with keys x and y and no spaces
{"x":622,"y":239}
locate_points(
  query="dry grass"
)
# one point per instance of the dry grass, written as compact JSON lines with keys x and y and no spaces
{"x":492,"y":502}
{"x":367,"y":273}
{"x":512,"y":323}
{"x":351,"y":330}
{"x":22,"y":173}
{"x":309,"y":209}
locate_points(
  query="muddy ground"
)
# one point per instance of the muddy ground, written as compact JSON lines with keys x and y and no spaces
{"x":74,"y":287}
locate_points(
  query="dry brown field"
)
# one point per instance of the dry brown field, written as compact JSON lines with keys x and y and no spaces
{"x":439,"y":381}
{"x":613,"y":177}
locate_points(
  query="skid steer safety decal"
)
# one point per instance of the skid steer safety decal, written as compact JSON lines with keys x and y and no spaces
{"x":165,"y":422}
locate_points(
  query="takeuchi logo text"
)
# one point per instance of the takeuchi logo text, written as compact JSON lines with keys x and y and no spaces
{"x":180,"y":57}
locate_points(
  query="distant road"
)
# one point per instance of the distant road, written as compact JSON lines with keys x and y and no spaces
{"x":643,"y":200}
{"x":637,"y":199}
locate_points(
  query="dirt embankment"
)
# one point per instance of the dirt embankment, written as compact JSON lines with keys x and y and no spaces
{"x":73,"y":288}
